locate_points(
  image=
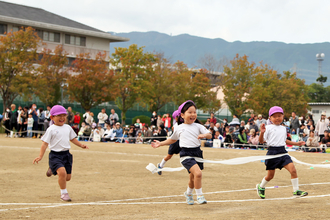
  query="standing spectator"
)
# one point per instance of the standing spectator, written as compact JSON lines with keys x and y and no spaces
{"x":294,"y":122}
{"x":113,"y":117}
{"x":217,"y":127}
{"x":260,"y":121}
{"x":310,"y":120}
{"x":321,"y":125}
{"x":207,"y":123}
{"x":76,"y":119}
{"x":102,"y":117}
{"x":33,"y":111}
{"x":167,"y":121}
{"x":24,"y":119}
{"x":75,"y":128}
{"x":213,"y":119}
{"x":41,"y":120}
{"x":153,"y":119}
{"x":70,"y":117}
{"x":47,"y":117}
{"x":302,"y":120}
{"x":251,"y":118}
{"x":90,"y":118}
{"x":159,"y":121}
{"x":255,"y":127}
{"x":30,"y":124}
{"x":13,"y":115}
{"x":225,"y":122}
{"x":85,"y":116}
{"x":242,"y":124}
{"x":19,"y":119}
{"x":6,"y":120}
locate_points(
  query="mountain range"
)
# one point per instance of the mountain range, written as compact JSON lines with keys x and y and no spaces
{"x":299,"y":58}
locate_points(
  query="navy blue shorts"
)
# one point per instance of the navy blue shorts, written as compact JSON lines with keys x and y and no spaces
{"x":60,"y":159}
{"x":174,"y":148}
{"x":279,"y":162}
{"x":191,"y":152}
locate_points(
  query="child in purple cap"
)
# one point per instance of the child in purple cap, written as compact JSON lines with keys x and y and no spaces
{"x":190,"y":131}
{"x":174,"y":148}
{"x":275,"y":135}
{"x":58,"y":137}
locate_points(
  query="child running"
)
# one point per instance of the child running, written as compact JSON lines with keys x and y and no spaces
{"x":189,"y":134}
{"x":174,"y":148}
{"x":58,"y":137}
{"x":275,"y":135}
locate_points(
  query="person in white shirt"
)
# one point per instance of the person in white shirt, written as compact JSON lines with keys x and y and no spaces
{"x":275,"y":136}
{"x":109,"y":135}
{"x":102,"y":117}
{"x":57,"y":138}
{"x":30,"y":122}
{"x":321,"y":126}
{"x":189,"y":132}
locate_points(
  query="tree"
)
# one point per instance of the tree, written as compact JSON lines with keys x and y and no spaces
{"x":18,"y":53}
{"x":322,"y":79}
{"x":318,"y":93}
{"x":238,"y":81}
{"x":132,"y":66}
{"x":270,"y":89}
{"x":91,"y":82}
{"x":52,"y":74}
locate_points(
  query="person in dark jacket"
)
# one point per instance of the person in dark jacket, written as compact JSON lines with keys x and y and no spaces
{"x":161,"y":133}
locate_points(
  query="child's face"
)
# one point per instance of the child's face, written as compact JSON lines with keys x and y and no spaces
{"x":139,"y":134}
{"x":190,"y":115}
{"x":59,"y":120}
{"x":277,"y":118}
{"x":83,"y":124}
{"x":30,"y":116}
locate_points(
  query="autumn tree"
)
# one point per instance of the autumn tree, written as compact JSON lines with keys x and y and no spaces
{"x":132,"y":66}
{"x":18,"y":53}
{"x":238,"y":81}
{"x":91,"y":81}
{"x":51,"y":75}
{"x":270,"y":89}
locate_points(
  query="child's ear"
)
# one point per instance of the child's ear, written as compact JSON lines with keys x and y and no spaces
{"x":51,"y":117}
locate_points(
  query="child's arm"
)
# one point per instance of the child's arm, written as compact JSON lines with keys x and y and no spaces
{"x":44,"y":146}
{"x":299,"y":143}
{"x":156,"y":144}
{"x":207,"y":136}
{"x":76,"y":142}
{"x":262,"y":131}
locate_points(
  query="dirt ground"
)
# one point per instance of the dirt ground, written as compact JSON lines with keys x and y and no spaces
{"x":110,"y":181}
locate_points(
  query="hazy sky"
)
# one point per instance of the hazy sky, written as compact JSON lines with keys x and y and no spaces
{"x":290,"y":21}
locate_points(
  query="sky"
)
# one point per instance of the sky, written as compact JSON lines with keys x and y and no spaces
{"x":289,"y":21}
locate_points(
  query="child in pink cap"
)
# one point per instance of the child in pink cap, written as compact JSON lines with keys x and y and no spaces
{"x":275,"y":135}
{"x":58,"y":137}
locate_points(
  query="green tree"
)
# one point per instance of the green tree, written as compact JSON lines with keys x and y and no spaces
{"x":132,"y":66}
{"x":318,"y":93}
{"x":238,"y":81}
{"x":51,"y":75}
{"x":18,"y":53}
{"x":91,"y":82}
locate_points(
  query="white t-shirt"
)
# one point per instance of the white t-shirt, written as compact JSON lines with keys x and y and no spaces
{"x":275,"y":135}
{"x":59,"y":137}
{"x":188,"y":133}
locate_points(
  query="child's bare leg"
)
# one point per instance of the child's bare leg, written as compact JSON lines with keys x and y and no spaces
{"x":197,"y":176}
{"x":62,"y":177}
{"x":68,"y":177}
{"x":270,"y":175}
{"x":292,"y":169}
{"x":164,"y":160}
{"x":168,"y":157}
{"x":191,"y":181}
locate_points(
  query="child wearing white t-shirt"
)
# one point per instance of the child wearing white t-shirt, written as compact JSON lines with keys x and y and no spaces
{"x":189,"y":132}
{"x":58,"y":137}
{"x":30,"y":121}
{"x":275,"y":135}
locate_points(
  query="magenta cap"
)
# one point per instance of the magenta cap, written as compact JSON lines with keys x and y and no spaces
{"x":175,"y":114}
{"x":58,"y":110}
{"x":181,"y":106}
{"x":275,"y":109}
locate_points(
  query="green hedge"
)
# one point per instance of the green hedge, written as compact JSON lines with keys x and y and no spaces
{"x":143,"y":119}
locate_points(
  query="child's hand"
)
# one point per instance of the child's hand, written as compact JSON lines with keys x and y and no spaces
{"x":37,"y":159}
{"x":155,"y":144}
{"x":83,"y":146}
{"x":201,"y":136}
{"x":262,"y":128}
{"x":301,"y":143}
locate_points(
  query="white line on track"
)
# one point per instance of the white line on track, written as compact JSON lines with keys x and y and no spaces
{"x":126,"y":201}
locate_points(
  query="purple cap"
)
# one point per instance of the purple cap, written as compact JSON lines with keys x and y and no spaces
{"x":275,"y":109}
{"x":181,"y":106}
{"x":175,"y":114}
{"x":58,"y":110}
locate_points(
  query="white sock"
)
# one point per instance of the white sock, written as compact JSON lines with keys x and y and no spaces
{"x":199,"y":192}
{"x":63,"y":191}
{"x":190,"y":190}
{"x":162,"y":164}
{"x":263,"y":183}
{"x":295,"y":184}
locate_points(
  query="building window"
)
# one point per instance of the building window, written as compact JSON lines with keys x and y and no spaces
{"x":3,"y":28}
{"x":15,"y":29}
{"x":75,"y":40}
{"x":49,"y":36}
{"x":316,"y":111}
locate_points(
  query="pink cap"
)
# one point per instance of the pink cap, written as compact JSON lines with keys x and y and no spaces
{"x":58,"y":110}
{"x":275,"y":109}
{"x":181,"y":106}
{"x":175,"y":114}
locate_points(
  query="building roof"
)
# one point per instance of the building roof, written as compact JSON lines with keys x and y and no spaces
{"x":319,"y":103}
{"x":39,"y":18}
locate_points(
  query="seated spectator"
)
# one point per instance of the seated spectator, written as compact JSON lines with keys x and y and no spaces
{"x":260,"y":121}
{"x":242,"y":124}
{"x":75,"y":128}
{"x":139,"y":138}
{"x":81,"y":131}
{"x":226,"y":131}
{"x":108,"y":135}
{"x":131,"y":135}
{"x":87,"y":132}
{"x":325,"y":142}
{"x":254,"y":139}
{"x":207,"y":123}
{"x":138,"y":125}
{"x":119,"y":133}
{"x":161,"y":133}
{"x":303,"y":132}
{"x":242,"y":138}
{"x":146,"y":133}
{"x":98,"y":133}
{"x":312,"y":144}
{"x":254,"y":126}
{"x":209,"y":142}
{"x":220,"y":137}
{"x":229,"y":137}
